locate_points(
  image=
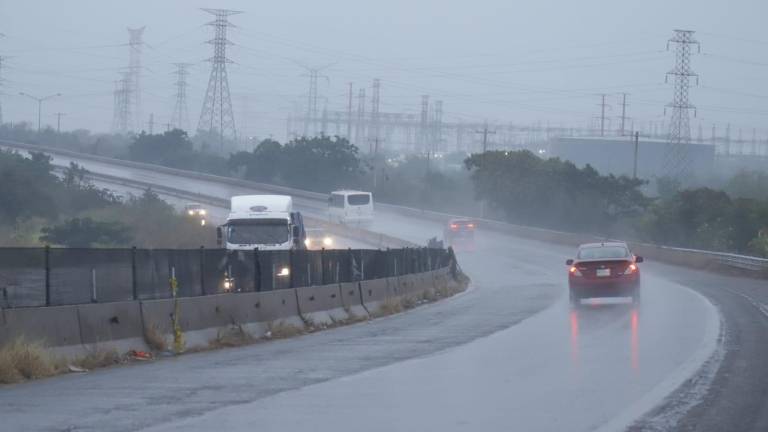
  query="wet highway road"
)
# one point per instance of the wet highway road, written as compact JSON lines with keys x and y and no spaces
{"x":461,"y":364}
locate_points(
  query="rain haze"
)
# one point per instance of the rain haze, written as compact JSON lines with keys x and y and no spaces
{"x":529,"y":62}
{"x":394,"y":216}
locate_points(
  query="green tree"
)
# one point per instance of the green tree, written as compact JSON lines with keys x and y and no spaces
{"x":553,"y":193}
{"x":263,"y":164}
{"x":173,"y":148}
{"x":27,"y":187}
{"x":86,"y":232}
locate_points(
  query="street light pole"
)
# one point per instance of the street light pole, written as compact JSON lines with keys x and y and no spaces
{"x":40,"y":101}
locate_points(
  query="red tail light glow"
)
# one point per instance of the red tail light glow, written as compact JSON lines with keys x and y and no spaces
{"x":574,"y":271}
{"x":630,"y":269}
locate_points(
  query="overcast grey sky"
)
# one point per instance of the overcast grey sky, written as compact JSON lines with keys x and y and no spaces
{"x":502,"y":60}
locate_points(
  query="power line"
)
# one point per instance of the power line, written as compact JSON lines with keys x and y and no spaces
{"x":216,"y":115}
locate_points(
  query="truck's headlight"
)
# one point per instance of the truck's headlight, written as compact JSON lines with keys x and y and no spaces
{"x":202,"y":212}
{"x":327,"y":241}
{"x":284,"y":271}
{"x":307,"y":242}
{"x":227,"y":284}
{"x":191,"y":212}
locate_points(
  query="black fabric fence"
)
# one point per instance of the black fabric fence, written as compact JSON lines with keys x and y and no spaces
{"x":31,"y":277}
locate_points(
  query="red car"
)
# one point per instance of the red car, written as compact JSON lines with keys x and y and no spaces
{"x":604,"y":270}
{"x":460,"y":234}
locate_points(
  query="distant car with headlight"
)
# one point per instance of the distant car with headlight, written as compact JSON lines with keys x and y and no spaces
{"x":318,"y":238}
{"x":460,"y":234}
{"x":606,"y":269}
{"x":196,"y":210}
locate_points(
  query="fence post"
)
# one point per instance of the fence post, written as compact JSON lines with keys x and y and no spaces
{"x":322,"y":266}
{"x":362,"y":266}
{"x":290,"y":269}
{"x":93,"y":286}
{"x":256,"y":271}
{"x":134,"y":284}
{"x":202,"y":271}
{"x":47,"y":261}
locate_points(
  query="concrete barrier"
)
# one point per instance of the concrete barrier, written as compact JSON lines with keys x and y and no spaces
{"x":351,"y":300}
{"x":279,"y":307}
{"x":374,"y":293}
{"x":54,"y":326}
{"x":112,"y":325}
{"x":321,"y":304}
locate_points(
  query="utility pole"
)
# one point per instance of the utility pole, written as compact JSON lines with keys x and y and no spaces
{"x":349,"y":115}
{"x":58,"y":121}
{"x":40,"y":101}
{"x":216,"y":115}
{"x":623,"y":117}
{"x":375,"y":105}
{"x":634,"y":163}
{"x":151,"y":123}
{"x":360,"y":125}
{"x":485,"y":133}
{"x":602,"y":114}
{"x":677,"y":159}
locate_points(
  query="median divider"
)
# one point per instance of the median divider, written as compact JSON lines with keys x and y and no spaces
{"x":54,"y":326}
{"x":374,"y":294}
{"x":321,"y":305}
{"x":351,"y":300}
{"x":112,"y":325}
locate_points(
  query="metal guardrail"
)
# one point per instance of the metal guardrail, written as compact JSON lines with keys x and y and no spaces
{"x":743,"y":262}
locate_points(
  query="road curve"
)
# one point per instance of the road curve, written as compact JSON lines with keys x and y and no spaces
{"x":601,"y":366}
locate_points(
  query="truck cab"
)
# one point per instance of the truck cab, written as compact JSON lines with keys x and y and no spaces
{"x":266,"y":222}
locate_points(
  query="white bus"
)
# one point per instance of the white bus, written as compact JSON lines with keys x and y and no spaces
{"x":349,"y":206}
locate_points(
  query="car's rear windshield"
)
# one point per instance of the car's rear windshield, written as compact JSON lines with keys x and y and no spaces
{"x":603,"y":252}
{"x":359,"y":199}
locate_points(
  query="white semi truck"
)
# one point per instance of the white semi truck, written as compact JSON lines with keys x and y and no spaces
{"x":263,"y":222}
{"x":266,"y":222}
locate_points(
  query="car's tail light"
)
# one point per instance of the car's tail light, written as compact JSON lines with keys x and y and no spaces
{"x":574,"y":271}
{"x":630,"y":269}
{"x":454,"y":226}
{"x":471,"y":226}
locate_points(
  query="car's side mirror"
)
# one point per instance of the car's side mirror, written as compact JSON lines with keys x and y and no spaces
{"x":639,"y":259}
{"x":218,"y":236}
{"x":569,"y":262}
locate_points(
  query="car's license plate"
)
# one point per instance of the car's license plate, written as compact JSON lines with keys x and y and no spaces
{"x":603,"y":272}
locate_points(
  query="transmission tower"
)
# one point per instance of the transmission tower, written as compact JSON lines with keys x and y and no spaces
{"x":424,"y":124}
{"x":180,"y":117}
{"x":677,"y":159}
{"x":216,"y":114}
{"x":623,"y":118}
{"x":135,"y":45}
{"x":121,"y":109}
{"x":311,"y":101}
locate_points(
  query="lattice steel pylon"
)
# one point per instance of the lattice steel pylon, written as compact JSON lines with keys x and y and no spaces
{"x":180,"y":116}
{"x":135,"y":45}
{"x":122,"y":98}
{"x":1,"y":85}
{"x":216,"y":115}
{"x":677,"y":158}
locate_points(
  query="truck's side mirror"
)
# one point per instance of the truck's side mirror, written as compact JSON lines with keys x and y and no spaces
{"x":569,"y":262}
{"x":218,"y":236}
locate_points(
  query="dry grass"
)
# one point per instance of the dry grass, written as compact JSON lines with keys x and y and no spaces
{"x":97,"y":358}
{"x":232,"y":336}
{"x":282,"y":330}
{"x":390,"y":306}
{"x":155,"y":339}
{"x":21,"y":359}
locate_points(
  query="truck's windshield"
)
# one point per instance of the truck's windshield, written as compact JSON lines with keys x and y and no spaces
{"x":258,"y":231}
